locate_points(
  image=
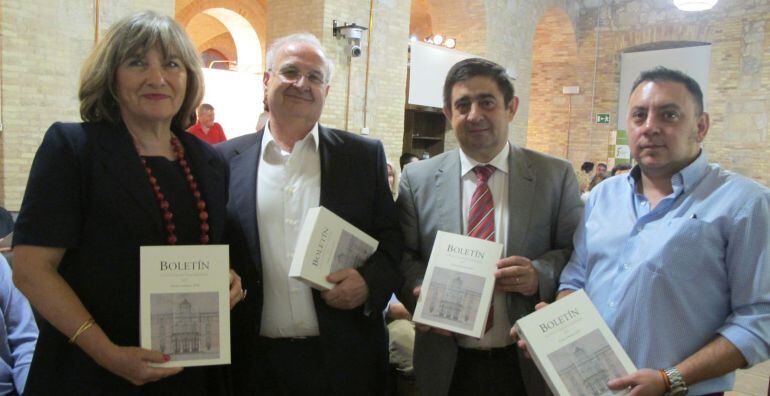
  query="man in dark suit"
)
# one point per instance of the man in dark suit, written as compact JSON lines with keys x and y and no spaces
{"x":306,"y":341}
{"x":533,"y":210}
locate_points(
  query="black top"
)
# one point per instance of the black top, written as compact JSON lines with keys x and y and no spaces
{"x":181,"y":202}
{"x":88,"y":193}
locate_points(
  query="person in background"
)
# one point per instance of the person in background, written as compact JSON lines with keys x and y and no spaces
{"x":129,"y":176}
{"x":18,"y":333}
{"x":392,"y":180}
{"x":206,"y":129}
{"x":407,"y":158}
{"x":584,"y":175}
{"x":601,"y":170}
{"x":676,"y":254}
{"x":620,"y":169}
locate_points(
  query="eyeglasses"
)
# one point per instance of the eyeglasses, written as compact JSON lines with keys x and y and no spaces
{"x":293,"y":75}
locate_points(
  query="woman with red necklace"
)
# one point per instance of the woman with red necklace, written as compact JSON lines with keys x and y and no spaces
{"x":128,"y":176}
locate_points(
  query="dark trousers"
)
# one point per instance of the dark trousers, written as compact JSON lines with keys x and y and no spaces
{"x":494,"y":372}
{"x":293,"y":366}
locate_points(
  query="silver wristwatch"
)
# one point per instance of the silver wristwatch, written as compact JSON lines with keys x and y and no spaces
{"x":676,"y":381}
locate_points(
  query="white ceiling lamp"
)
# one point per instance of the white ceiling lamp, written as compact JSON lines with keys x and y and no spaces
{"x":438,"y":39}
{"x":695,"y":5}
{"x":450,"y":43}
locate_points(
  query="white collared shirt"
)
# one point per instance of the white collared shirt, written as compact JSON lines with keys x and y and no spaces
{"x":498,"y":335}
{"x":288,"y":184}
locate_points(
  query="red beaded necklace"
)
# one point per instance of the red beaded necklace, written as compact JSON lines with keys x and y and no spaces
{"x":168,"y":217}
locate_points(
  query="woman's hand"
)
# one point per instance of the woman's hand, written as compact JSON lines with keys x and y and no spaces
{"x":132,"y":364}
{"x":237,"y":293}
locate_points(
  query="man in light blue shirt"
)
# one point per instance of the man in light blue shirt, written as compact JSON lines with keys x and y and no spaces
{"x":18,"y":330}
{"x":18,"y":334}
{"x":676,"y":254}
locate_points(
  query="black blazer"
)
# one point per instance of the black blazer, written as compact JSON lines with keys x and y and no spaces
{"x":88,"y":192}
{"x":354,"y":186}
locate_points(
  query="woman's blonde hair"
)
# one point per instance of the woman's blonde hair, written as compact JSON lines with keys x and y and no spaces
{"x":137,"y":34}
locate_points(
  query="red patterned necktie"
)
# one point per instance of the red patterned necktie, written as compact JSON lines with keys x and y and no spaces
{"x":481,"y":216}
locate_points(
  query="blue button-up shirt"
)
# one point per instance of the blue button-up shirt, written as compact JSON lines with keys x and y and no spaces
{"x":668,"y":280}
{"x":18,"y":334}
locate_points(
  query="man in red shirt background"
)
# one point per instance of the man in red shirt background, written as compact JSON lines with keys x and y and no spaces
{"x":206,"y":129}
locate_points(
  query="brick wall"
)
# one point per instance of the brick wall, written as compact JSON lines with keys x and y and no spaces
{"x":44,"y":44}
{"x":510,"y":37}
{"x":739,"y":79}
{"x":189,"y":14}
{"x":203,"y":28}
{"x":553,"y":68}
{"x":223,"y":43}
{"x":348,"y":96}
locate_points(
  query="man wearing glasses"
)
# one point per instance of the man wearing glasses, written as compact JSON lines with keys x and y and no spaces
{"x":288,"y":338}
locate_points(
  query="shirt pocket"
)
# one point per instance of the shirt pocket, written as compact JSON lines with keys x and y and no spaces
{"x":684,"y":247}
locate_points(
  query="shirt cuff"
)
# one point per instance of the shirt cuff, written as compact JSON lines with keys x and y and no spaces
{"x":567,"y":286}
{"x":753,"y":348}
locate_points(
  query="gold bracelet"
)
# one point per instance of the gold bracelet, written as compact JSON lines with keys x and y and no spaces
{"x":85,"y":326}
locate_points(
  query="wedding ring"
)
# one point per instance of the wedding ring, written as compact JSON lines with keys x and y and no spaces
{"x":243,"y":294}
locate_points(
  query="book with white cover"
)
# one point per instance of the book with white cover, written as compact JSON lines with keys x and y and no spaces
{"x":574,"y":348}
{"x":459,"y":282}
{"x":185,"y":303}
{"x":326,"y":244}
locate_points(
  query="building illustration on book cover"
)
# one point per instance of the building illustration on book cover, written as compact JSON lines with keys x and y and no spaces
{"x":350,"y":252}
{"x":586,"y":364}
{"x":186,"y":325}
{"x":454,"y":298}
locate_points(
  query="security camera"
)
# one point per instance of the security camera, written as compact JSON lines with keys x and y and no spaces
{"x":355,"y":50}
{"x":352,"y":33}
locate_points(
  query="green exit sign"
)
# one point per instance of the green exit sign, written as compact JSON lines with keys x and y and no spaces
{"x":603,"y":118}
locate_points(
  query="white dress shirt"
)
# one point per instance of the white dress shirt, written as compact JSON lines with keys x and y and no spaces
{"x":288,"y":184}
{"x":498,"y":335}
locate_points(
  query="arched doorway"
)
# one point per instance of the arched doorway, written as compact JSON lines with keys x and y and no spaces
{"x":235,"y":28}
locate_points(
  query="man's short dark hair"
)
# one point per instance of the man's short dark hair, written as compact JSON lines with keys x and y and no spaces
{"x":474,"y":67}
{"x":587,"y":167}
{"x":601,"y":164}
{"x":620,"y":167}
{"x":661,"y":73}
{"x":405,"y":159}
{"x":205,"y":106}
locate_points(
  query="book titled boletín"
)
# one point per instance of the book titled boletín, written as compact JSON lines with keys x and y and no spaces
{"x":459,"y":282}
{"x":573,"y":347}
{"x":326,"y":244}
{"x":185,"y":303}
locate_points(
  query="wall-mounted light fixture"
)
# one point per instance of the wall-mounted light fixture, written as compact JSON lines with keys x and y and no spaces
{"x":353,"y":33}
{"x":695,"y":5}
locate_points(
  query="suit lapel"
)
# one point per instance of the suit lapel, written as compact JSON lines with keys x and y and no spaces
{"x":331,"y":154}
{"x":123,"y":163}
{"x":449,"y":194}
{"x":243,"y":187}
{"x":521,"y":190}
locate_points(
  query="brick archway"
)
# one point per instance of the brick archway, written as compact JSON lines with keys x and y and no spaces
{"x":254,"y":12}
